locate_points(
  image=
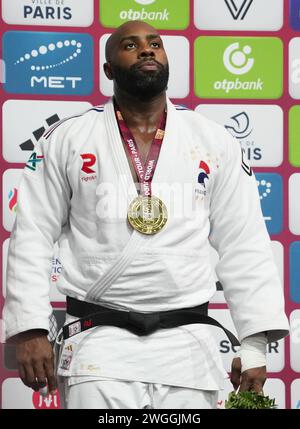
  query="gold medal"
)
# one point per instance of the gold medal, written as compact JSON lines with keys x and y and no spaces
{"x":147,"y":215}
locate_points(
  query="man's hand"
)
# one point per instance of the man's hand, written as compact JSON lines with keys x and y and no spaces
{"x":252,"y":379}
{"x":36,"y":360}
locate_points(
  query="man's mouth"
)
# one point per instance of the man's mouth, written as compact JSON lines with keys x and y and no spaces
{"x":148,"y":65}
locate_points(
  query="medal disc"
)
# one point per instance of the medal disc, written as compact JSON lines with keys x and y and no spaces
{"x":147,"y":215}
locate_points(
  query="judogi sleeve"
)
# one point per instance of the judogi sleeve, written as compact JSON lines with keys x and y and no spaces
{"x":246,"y":267}
{"x":42,"y":210}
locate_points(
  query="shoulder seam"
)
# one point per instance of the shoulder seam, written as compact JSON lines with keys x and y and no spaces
{"x":48,"y":133}
{"x":51,"y":129}
{"x":97,"y":108}
{"x":181,"y":107}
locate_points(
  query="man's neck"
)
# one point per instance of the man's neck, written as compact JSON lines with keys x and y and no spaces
{"x":138,"y":113}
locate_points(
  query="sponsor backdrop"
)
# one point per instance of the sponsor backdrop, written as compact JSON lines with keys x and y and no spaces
{"x":235,"y":61}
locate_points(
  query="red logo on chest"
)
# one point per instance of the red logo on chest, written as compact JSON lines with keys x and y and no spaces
{"x":89,"y":160}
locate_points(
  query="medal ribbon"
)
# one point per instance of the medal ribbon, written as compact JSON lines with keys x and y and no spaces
{"x":145,"y":172}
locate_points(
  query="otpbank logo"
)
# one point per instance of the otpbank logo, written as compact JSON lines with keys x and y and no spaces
{"x":238,"y":67}
{"x":295,"y":14}
{"x":48,"y":63}
{"x":164,"y":14}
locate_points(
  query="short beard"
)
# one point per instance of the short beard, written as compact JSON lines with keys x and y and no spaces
{"x":140,"y":84}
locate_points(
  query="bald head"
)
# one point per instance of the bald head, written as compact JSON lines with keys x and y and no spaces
{"x":129,"y":28}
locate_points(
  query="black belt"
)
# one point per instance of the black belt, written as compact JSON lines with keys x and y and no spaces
{"x":91,"y":315}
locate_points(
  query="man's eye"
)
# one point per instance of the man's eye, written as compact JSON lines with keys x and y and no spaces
{"x":155,"y":44}
{"x":129,"y":45}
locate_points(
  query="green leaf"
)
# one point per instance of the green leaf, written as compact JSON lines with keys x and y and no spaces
{"x":249,"y":400}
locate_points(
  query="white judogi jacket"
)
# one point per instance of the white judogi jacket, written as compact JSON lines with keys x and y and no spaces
{"x":78,"y":194}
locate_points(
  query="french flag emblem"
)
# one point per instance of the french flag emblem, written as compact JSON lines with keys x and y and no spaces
{"x":204,"y":172}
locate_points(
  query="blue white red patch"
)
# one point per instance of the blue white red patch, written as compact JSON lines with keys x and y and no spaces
{"x":202,"y":182}
{"x":204,"y":173}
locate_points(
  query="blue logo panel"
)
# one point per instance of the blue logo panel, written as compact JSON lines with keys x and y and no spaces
{"x":270,"y":189}
{"x":295,"y":14}
{"x":48,"y":63}
{"x":295,"y":271}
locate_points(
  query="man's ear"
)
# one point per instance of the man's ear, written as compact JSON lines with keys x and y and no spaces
{"x":108,"y":71}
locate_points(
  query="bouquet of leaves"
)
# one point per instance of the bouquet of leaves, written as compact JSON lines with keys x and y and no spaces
{"x":249,"y":400}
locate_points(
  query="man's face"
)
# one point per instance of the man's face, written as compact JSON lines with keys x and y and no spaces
{"x":138,"y":62}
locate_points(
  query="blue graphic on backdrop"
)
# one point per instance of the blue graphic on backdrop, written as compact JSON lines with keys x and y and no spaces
{"x":295,"y":271}
{"x":48,"y":63}
{"x":295,"y":14}
{"x":270,"y":189}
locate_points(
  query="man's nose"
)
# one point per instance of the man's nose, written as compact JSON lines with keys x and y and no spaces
{"x":146,"y":51}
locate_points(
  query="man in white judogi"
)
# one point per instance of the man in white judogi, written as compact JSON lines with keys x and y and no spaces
{"x":90,"y":174}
